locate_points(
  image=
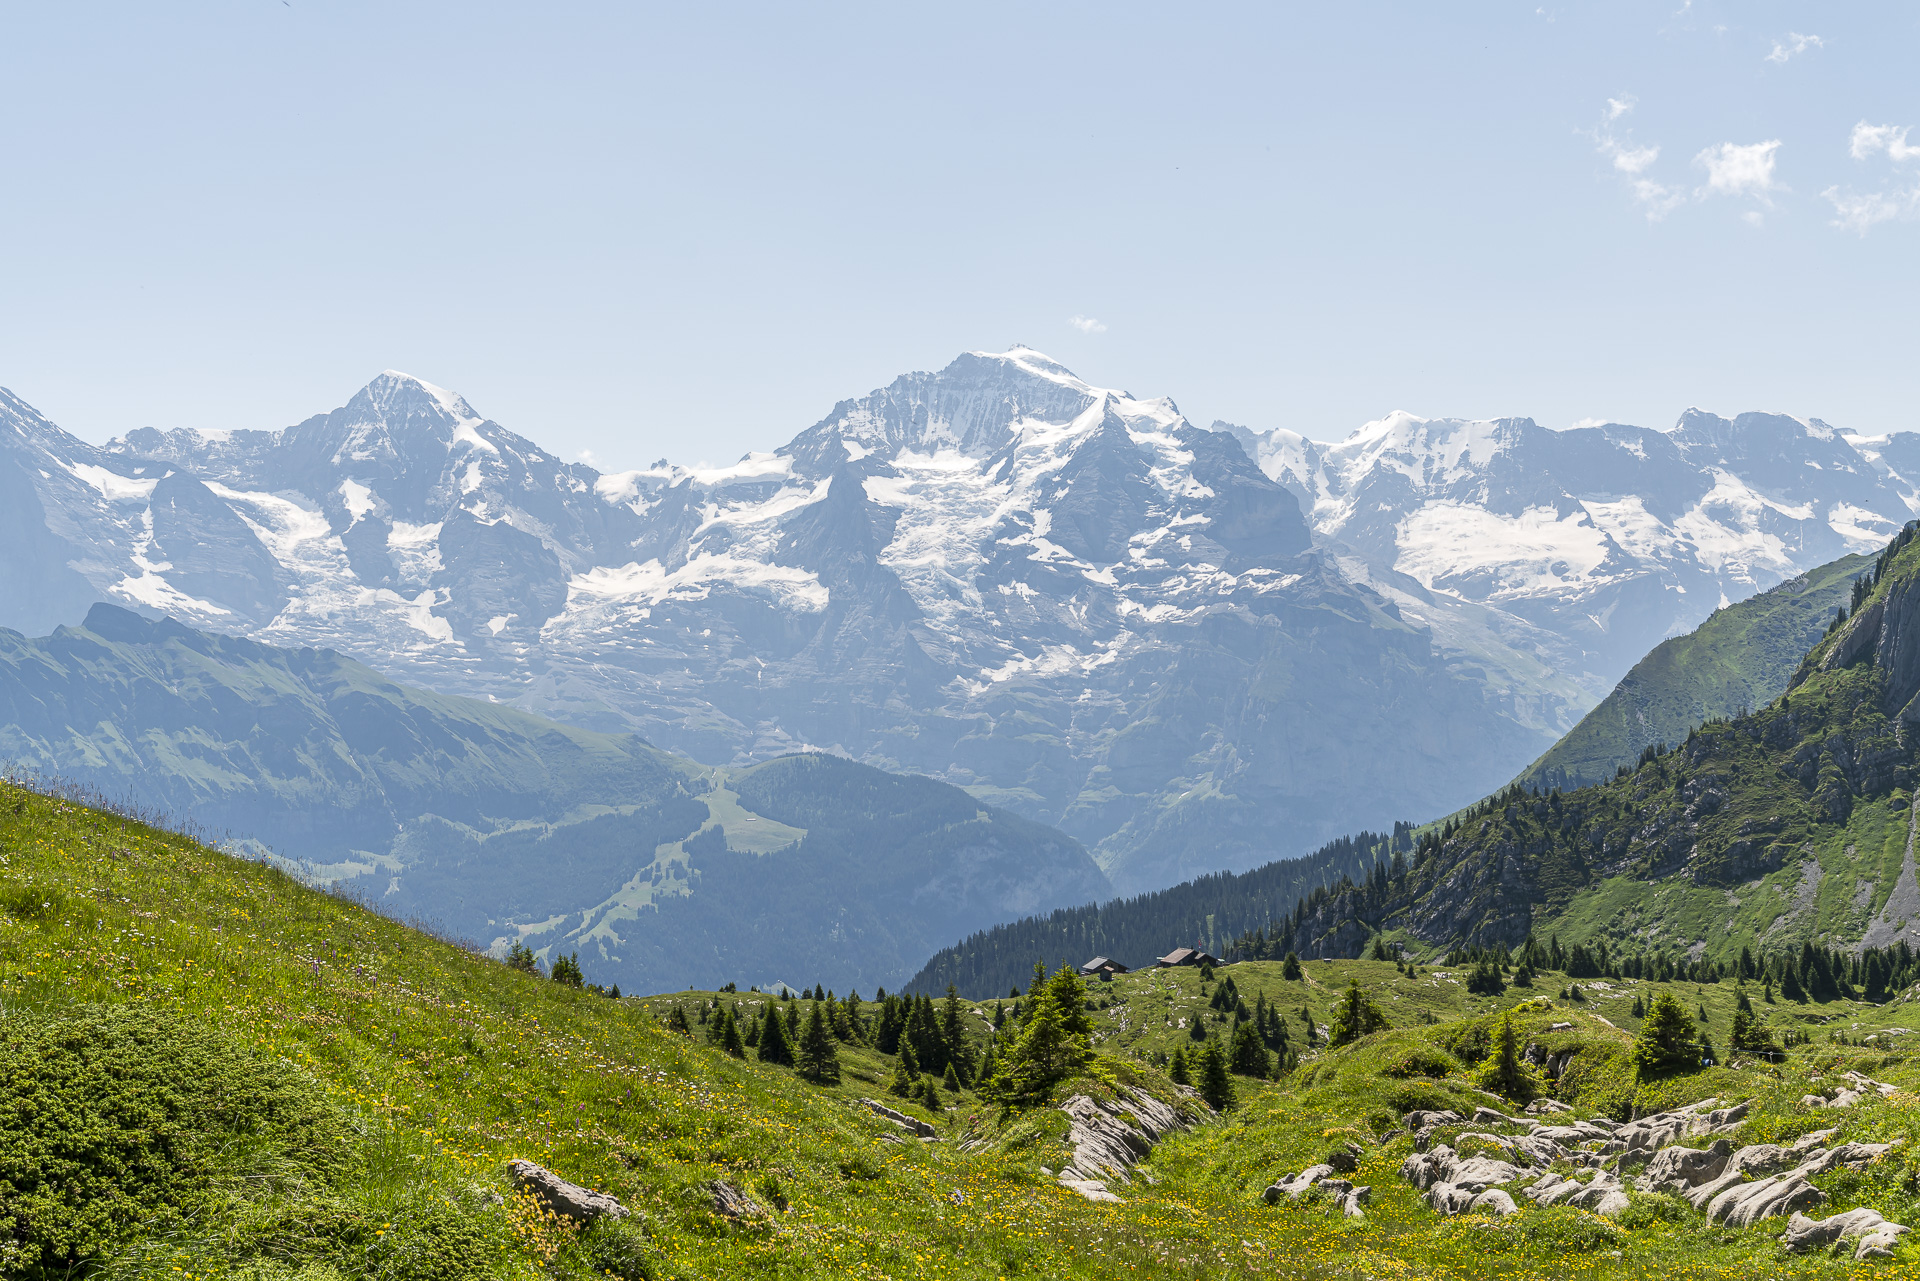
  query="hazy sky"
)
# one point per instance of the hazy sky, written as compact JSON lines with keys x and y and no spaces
{"x":687,"y":230}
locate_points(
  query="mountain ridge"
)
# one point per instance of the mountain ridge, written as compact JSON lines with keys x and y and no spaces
{"x":1069,"y":601}
{"x":507,"y":827}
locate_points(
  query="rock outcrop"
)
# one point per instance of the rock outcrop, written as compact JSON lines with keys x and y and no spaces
{"x":912,"y":1125}
{"x":1874,"y":1235}
{"x":1109,"y":1138}
{"x":570,"y":1200}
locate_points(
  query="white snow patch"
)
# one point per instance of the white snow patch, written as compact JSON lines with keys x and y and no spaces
{"x":358,"y":498}
{"x":1448,"y":543}
{"x":113,"y":486}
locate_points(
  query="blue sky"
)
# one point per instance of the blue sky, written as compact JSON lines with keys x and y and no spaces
{"x":688,"y":230}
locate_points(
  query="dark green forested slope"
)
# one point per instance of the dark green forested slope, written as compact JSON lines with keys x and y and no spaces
{"x":498,"y":824}
{"x":1766,"y":831}
{"x":1740,"y":658}
{"x":1207,"y":912}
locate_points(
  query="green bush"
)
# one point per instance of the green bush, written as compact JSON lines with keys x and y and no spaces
{"x":1421,"y":1061}
{"x":111,"y":1118}
{"x":1566,"y":1230}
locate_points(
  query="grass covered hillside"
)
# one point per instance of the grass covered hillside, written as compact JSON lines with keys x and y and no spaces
{"x":212,"y":1071}
{"x":1786,"y":826}
{"x":1739,"y":659}
{"x":659,"y":871}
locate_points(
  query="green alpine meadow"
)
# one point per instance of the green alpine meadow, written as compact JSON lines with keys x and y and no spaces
{"x":1605,"y":1032}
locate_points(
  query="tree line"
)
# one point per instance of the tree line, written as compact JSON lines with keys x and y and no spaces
{"x":1136,"y":930}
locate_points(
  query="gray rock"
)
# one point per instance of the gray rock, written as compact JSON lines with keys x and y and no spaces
{"x":1091,"y":1189}
{"x":1865,"y":1226}
{"x":582,"y":1205}
{"x":1427,"y":1120}
{"x":1678,"y":1169}
{"x":731,"y":1203}
{"x":911,"y":1125}
{"x":1297,"y":1186}
{"x":1747,"y":1204}
{"x":1109,"y":1138}
{"x":1547,"y":1107}
{"x":1487,"y":1116}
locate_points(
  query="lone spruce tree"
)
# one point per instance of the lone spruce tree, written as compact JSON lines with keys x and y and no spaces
{"x":1290,"y":968}
{"x":775,"y":1047}
{"x":1503,"y":1070}
{"x":731,"y":1042}
{"x":1749,"y":1034}
{"x":1177,"y":1071}
{"x":1666,"y":1042}
{"x":819,"y":1056}
{"x":1358,"y":1015}
{"x":1216,"y":1087}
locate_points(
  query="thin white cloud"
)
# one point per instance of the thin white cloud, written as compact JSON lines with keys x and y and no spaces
{"x":1869,"y":139}
{"x":1088,"y":325}
{"x":1861,"y":212}
{"x":1753,"y":218}
{"x":1632,"y":162}
{"x":1737,"y":170}
{"x":1795,"y":43}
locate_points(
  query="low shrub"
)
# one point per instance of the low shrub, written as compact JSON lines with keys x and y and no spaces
{"x":1421,"y":1061}
{"x":113,"y":1117}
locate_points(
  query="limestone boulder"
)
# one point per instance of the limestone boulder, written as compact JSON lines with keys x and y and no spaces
{"x":1746,"y":1204}
{"x":569,"y":1200}
{"x":1873,"y":1234}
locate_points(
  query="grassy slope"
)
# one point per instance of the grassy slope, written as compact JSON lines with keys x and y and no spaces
{"x":1740,"y":658}
{"x":452,"y":1063}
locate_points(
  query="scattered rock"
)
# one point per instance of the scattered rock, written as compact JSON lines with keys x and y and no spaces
{"x":911,"y":1125}
{"x":1487,"y":1116}
{"x":1091,"y":1189}
{"x":1427,"y":1120}
{"x":1876,"y":1235}
{"x":1297,"y":1186}
{"x":1344,"y":1159}
{"x":1547,"y":1107}
{"x":731,"y":1203}
{"x":582,"y":1205}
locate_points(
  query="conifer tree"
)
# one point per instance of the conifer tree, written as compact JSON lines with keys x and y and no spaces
{"x":793,"y":1023}
{"x":731,"y":1042}
{"x":677,"y":1020}
{"x":1216,"y":1087}
{"x":989,"y":1064}
{"x":1504,"y":1071}
{"x":1749,"y":1035}
{"x":775,"y":1045}
{"x":566,"y":971}
{"x":819,"y":1056}
{"x":520,"y":957}
{"x":1666,"y":1042}
{"x":751,"y":1033}
{"x":1358,"y":1015}
{"x":1290,"y":969}
{"x":953,"y":1035}
{"x":1052,"y":1046}
{"x":952,"y":1081}
{"x":1790,"y":986}
{"x":1249,"y":1056}
{"x":1177,"y":1070}
{"x":909,"y":1061}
